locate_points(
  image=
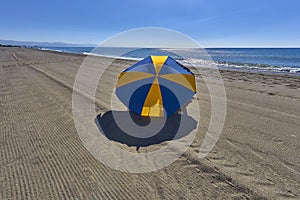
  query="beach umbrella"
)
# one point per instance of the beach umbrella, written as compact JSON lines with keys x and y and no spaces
{"x":156,"y":86}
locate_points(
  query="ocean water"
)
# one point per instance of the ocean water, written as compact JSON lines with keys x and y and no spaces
{"x":270,"y":60}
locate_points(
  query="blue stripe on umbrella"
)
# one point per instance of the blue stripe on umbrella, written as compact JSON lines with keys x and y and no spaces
{"x":174,"y":65}
{"x":144,"y":65}
{"x":173,"y":95}
{"x":133,"y":95}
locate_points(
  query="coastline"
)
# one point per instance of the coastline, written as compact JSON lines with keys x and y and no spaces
{"x":198,"y":63}
{"x":256,"y":156}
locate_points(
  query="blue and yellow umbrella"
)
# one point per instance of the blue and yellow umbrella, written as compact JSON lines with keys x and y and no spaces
{"x":156,"y":86}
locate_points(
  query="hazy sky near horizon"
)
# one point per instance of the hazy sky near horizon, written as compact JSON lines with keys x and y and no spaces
{"x":211,"y":22}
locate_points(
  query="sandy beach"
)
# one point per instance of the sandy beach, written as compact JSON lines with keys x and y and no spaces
{"x":42,"y":157}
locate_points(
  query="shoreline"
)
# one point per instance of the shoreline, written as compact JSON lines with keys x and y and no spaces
{"x":230,"y":66}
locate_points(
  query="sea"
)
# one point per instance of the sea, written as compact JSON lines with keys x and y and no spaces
{"x":265,"y":60}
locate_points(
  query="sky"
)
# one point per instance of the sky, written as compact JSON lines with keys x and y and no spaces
{"x":213,"y":23}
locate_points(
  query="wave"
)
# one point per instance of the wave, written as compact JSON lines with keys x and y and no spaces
{"x":240,"y":66}
{"x":111,"y":56}
{"x":47,"y":49}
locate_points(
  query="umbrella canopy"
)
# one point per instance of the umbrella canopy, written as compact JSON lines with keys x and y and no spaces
{"x":156,"y":86}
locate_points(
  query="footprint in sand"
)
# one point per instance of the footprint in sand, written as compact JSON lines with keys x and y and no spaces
{"x":265,"y":182}
{"x":287,"y":194}
{"x":230,"y":164}
{"x":246,"y":173}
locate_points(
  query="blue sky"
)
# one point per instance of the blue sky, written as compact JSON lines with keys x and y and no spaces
{"x":211,"y":22}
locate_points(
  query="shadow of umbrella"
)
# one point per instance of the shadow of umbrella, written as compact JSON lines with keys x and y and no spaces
{"x":170,"y":131}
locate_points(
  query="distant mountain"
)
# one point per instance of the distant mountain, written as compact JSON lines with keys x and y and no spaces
{"x":43,"y":44}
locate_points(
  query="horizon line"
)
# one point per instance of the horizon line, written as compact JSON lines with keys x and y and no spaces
{"x":95,"y":45}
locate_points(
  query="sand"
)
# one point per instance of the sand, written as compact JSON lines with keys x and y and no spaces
{"x":42,"y":157}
